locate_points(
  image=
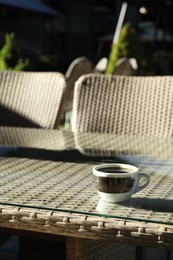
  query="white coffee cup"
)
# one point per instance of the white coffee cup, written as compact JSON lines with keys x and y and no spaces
{"x":116,"y":182}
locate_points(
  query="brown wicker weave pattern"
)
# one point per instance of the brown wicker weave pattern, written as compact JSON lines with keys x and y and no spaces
{"x":75,"y":225}
{"x":70,"y":187}
{"x":124,"y":104}
{"x":45,"y":196}
{"x":102,"y":144}
{"x":34,"y":96}
{"x":92,"y":144}
{"x":87,"y":249}
{"x":36,"y":138}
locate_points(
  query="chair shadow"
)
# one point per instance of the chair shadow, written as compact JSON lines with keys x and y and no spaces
{"x":156,"y":205}
{"x":11,"y":118}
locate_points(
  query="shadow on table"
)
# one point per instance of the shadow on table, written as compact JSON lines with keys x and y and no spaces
{"x":71,"y":155}
{"x":157,"y":205}
{"x":142,"y":207}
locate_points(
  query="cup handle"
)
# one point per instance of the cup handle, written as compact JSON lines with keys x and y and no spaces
{"x":147,"y":181}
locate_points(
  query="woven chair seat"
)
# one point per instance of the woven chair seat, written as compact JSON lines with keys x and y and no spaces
{"x":77,"y":68}
{"x":124,"y":105}
{"x":31,"y":99}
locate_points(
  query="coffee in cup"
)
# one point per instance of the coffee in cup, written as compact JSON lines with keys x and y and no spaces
{"x":117,"y":182}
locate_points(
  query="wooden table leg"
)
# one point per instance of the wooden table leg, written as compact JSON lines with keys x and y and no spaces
{"x":84,"y":249}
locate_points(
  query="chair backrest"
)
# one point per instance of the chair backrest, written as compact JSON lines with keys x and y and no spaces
{"x":77,"y":68}
{"x":124,"y":105}
{"x":126,"y":66}
{"x":31,"y":99}
{"x":101,"y":65}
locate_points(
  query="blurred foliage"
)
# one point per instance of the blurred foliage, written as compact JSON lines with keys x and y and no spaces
{"x":128,"y":46}
{"x":10,"y":55}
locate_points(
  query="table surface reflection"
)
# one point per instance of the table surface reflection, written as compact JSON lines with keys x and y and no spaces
{"x":47,"y":185}
{"x":51,"y":170}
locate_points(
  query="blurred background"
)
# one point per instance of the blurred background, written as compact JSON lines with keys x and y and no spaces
{"x":52,"y":33}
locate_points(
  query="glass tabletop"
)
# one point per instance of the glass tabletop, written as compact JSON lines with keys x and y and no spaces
{"x":52,"y":170}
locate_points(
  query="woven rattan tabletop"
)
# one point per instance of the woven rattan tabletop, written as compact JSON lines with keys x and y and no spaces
{"x":58,"y":196}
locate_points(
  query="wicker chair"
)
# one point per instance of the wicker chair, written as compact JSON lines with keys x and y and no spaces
{"x":128,"y":105}
{"x":77,"y":68}
{"x":126,"y":66}
{"x":101,"y":65}
{"x":31,"y":99}
{"x":124,"y":104}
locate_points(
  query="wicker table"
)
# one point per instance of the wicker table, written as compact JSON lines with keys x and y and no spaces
{"x":47,"y":187}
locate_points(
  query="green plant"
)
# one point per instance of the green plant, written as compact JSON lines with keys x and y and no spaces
{"x":128,"y":46}
{"x":10,"y":55}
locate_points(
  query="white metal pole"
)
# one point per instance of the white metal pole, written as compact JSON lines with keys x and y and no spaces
{"x":120,"y":22}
